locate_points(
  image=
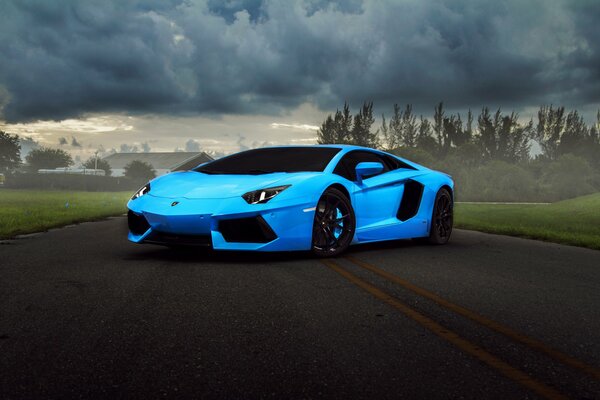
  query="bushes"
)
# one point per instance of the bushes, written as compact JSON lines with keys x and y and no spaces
{"x":500,"y":181}
{"x":569,"y":176}
{"x":415,"y":154}
{"x":89,"y":183}
{"x":539,"y":180}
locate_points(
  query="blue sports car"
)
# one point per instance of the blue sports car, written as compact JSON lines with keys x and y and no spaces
{"x":318,"y":198}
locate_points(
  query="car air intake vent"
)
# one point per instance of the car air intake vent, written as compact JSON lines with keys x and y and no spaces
{"x":171,"y":239}
{"x":137,"y":223}
{"x":411,"y":199}
{"x":246,"y":230}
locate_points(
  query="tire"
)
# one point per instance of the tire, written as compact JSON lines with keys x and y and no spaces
{"x":442,"y":218}
{"x":334,"y":224}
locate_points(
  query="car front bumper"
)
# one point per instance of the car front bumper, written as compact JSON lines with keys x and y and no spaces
{"x":223,"y":224}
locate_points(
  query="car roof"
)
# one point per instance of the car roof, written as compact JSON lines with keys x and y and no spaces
{"x":346,"y":147}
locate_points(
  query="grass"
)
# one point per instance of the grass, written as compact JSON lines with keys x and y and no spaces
{"x":27,"y":211}
{"x":574,"y":222}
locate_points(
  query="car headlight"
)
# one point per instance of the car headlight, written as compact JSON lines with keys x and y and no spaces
{"x":142,"y":191}
{"x":263,"y":195}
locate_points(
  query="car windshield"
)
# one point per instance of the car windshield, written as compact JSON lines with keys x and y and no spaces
{"x":270,"y":160}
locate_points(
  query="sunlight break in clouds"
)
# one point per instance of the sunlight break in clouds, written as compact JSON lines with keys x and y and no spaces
{"x":89,"y":125}
{"x":304,"y":127}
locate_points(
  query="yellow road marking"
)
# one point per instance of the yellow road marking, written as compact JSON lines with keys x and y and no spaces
{"x":493,"y":325}
{"x":463,"y":344}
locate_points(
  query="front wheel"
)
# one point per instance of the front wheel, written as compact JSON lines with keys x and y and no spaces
{"x":442,"y":218}
{"x":334,"y":224}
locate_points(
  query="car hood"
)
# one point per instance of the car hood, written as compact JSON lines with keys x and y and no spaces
{"x":197,"y":185}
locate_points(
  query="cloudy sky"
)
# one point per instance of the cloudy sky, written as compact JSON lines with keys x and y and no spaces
{"x":227,"y":75}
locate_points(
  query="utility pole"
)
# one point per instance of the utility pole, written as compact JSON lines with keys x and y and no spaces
{"x":95,"y":162}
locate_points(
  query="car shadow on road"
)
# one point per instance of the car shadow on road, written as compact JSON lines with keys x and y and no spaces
{"x":201,"y":254}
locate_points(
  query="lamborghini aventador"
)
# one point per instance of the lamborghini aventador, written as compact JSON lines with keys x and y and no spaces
{"x":317,"y":198}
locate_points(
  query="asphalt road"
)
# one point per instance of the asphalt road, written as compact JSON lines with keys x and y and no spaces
{"x":85,"y":314}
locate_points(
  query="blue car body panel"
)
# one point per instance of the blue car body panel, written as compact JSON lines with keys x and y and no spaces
{"x":194,"y":204}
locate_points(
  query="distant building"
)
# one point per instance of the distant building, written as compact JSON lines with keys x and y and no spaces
{"x":163,"y":163}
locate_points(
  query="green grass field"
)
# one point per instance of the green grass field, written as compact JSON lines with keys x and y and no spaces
{"x":27,"y":211}
{"x":575,"y":221}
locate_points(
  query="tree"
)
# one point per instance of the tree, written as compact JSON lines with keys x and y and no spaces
{"x":592,"y":152}
{"x":502,"y":137}
{"x":336,"y":129}
{"x":596,"y":126}
{"x":99,"y":163}
{"x":459,"y":136}
{"x":516,"y":138}
{"x":139,"y":170}
{"x":551,"y":122}
{"x":343,"y":125}
{"x":449,"y":131}
{"x":486,"y":139}
{"x":425,"y":140}
{"x":10,"y":152}
{"x":402,"y":130}
{"x":452,"y":133}
{"x":326,"y":133}
{"x":468,"y":132}
{"x":361,"y":130}
{"x":575,"y":137}
{"x":438,"y":124}
{"x":385,"y":131}
{"x":391,"y":132}
{"x":47,"y":158}
{"x":408,"y":132}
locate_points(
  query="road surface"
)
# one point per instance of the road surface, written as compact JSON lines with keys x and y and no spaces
{"x":85,"y":314}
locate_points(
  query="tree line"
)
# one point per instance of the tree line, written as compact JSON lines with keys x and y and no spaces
{"x":490,"y":154}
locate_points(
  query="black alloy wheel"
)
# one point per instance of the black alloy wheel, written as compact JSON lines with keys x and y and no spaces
{"x":334,"y":224}
{"x":442,"y":218}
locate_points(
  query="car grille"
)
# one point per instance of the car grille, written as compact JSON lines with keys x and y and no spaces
{"x":173,"y":239}
{"x":246,"y":230}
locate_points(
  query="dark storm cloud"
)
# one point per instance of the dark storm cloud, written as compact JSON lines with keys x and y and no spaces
{"x":228,"y":8}
{"x":64,"y":58}
{"x":584,"y":62}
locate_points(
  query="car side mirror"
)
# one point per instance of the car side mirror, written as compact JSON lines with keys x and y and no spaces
{"x":367,"y":168}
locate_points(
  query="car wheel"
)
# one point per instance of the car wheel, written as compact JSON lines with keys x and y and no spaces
{"x":334,"y":224}
{"x":442,"y":218}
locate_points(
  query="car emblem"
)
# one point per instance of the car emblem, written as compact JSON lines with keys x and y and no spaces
{"x":173,"y":204}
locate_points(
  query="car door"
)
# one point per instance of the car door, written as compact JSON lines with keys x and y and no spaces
{"x":376,"y":199}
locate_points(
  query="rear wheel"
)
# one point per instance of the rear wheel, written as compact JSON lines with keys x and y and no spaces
{"x":334,"y":224}
{"x":442,"y":218}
